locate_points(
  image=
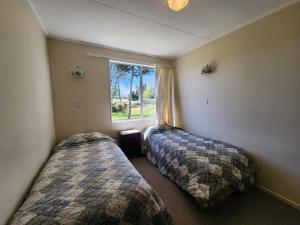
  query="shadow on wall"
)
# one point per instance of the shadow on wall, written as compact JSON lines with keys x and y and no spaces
{"x":264,"y":167}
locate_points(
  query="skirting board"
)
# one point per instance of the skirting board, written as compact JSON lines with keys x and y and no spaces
{"x":278,"y":196}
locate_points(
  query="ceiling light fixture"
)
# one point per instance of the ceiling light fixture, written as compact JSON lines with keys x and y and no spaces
{"x":177,"y":5}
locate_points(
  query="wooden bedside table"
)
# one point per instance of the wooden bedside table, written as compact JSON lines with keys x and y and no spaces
{"x":130,"y":142}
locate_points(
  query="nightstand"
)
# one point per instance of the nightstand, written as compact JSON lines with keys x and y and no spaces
{"x":130,"y":142}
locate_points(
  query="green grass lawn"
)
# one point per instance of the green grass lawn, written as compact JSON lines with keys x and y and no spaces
{"x":149,"y":110}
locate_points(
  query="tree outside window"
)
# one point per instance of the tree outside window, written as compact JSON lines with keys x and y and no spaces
{"x":132,"y":91}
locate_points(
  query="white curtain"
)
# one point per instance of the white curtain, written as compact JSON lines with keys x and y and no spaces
{"x":165,"y":100}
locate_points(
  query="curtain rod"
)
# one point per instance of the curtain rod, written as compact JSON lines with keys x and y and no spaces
{"x":126,"y":60}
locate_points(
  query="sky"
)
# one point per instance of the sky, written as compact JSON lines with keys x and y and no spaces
{"x":148,"y":78}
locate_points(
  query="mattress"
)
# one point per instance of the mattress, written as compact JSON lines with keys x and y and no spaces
{"x":207,"y":169}
{"x":88,"y":180}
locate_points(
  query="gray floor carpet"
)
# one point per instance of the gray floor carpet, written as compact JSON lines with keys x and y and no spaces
{"x":255,"y":208}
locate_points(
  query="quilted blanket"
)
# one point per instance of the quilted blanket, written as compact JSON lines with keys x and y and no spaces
{"x":207,"y":169}
{"x":89,"y":181}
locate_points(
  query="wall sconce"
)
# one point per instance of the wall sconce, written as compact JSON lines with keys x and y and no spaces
{"x":78,"y":72}
{"x":209,"y":68}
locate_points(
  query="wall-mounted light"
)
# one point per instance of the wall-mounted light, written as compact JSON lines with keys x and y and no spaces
{"x":78,"y":72}
{"x":177,"y":5}
{"x":209,"y":68}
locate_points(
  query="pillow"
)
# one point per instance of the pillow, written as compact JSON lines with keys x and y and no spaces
{"x":165,"y":127}
{"x":147,"y":132}
{"x":78,"y":139}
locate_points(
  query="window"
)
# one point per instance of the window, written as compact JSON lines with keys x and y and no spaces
{"x":132,"y":88}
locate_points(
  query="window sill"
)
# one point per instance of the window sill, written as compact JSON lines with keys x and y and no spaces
{"x":134,"y":120}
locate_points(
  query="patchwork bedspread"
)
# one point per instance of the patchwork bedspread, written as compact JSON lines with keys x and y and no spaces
{"x":207,"y":169}
{"x":89,"y":181}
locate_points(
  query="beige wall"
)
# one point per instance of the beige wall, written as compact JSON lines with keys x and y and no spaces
{"x":253,"y":96}
{"x":26,"y":121}
{"x":92,"y":92}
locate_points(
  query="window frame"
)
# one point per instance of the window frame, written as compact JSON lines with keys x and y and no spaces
{"x":132,"y":63}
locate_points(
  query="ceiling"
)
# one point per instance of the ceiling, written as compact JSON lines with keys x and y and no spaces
{"x":148,"y":26}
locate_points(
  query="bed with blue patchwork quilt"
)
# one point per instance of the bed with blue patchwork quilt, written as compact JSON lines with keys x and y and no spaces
{"x":207,"y":169}
{"x":88,"y":181}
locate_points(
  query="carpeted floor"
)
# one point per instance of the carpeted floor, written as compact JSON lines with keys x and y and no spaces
{"x":255,"y":208}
